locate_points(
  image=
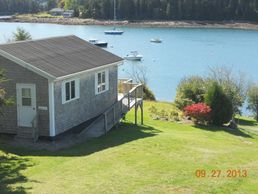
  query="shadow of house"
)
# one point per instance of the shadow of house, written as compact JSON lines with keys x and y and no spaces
{"x":118,"y":136}
{"x":12,"y":165}
{"x":236,"y":132}
{"x":10,"y":173}
{"x":127,"y":132}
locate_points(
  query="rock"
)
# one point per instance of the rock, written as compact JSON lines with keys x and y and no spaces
{"x":232,"y":124}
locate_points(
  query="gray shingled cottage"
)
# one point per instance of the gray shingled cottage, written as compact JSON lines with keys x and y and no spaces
{"x":59,"y":83}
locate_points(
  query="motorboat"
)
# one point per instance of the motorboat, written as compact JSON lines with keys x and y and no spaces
{"x":156,"y":40}
{"x":133,"y":56}
{"x":98,"y":43}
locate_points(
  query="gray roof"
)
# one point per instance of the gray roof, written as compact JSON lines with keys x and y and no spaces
{"x":57,"y":10}
{"x":60,"y":56}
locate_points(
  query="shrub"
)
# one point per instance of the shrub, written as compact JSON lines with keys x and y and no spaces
{"x":148,"y":94}
{"x":190,"y":91}
{"x":253,"y":100}
{"x":174,"y":115}
{"x":167,"y":114}
{"x":200,"y":112}
{"x":164,"y":115}
{"x":153,"y":112}
{"x":221,"y":105}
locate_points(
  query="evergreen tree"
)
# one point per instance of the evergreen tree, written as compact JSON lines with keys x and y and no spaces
{"x":21,"y":35}
{"x":221,"y":105}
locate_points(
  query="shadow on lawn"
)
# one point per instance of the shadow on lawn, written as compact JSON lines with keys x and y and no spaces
{"x":126,"y":132}
{"x":236,"y":132}
{"x":246,"y":122}
{"x":10,"y":173}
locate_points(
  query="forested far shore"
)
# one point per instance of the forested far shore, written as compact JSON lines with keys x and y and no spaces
{"x":36,"y":18}
{"x":217,"y":10}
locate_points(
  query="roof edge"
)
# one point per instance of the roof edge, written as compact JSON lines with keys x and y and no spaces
{"x":27,"y":65}
{"x":34,"y":40}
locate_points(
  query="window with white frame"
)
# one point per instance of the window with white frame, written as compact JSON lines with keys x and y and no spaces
{"x":70,"y":90}
{"x":101,"y":80}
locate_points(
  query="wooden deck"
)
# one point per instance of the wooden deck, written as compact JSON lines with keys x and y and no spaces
{"x":132,"y":101}
{"x":130,"y":95}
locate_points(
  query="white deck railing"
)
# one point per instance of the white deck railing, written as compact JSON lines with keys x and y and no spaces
{"x":130,"y":95}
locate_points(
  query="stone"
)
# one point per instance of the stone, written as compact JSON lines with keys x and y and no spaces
{"x":233,"y":124}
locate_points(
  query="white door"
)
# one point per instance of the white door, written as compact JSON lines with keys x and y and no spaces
{"x":26,"y":104}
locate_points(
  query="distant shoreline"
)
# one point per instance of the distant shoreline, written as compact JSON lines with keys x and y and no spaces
{"x":167,"y":24}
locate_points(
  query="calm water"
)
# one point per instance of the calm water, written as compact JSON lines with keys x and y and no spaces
{"x":183,"y":51}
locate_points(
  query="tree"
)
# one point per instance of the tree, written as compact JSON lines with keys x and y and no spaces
{"x":71,"y":4}
{"x":234,"y":85}
{"x":220,"y":104}
{"x":139,"y":74}
{"x":148,"y":94}
{"x":217,"y":10}
{"x":252,"y":99}
{"x":51,"y":4}
{"x":21,"y":35}
{"x":19,"y":6}
{"x":61,"y":3}
{"x":189,"y":91}
{"x":4,"y":101}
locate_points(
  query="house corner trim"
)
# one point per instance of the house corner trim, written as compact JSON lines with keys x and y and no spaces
{"x":52,"y":125}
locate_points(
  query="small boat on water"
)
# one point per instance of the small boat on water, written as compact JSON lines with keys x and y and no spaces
{"x":133,"y":56}
{"x":114,"y":32}
{"x":98,"y":43}
{"x":156,"y":40}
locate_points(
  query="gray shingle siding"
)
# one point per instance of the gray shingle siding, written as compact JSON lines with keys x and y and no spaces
{"x":88,"y":105}
{"x":18,"y":74}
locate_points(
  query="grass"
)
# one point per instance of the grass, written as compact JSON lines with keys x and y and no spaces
{"x":159,"y":157}
{"x":248,"y":123}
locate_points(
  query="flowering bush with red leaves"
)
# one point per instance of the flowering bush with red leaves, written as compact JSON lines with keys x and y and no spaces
{"x":199,"y":112}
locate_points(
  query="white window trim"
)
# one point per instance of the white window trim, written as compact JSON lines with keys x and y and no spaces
{"x":106,"y":80}
{"x":77,"y":90}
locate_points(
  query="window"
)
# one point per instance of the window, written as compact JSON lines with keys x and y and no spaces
{"x":101,"y":82}
{"x":26,"y":97}
{"x":70,"y":90}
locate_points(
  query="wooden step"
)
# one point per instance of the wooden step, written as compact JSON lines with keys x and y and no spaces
{"x":24,"y":134}
{"x":21,"y":138}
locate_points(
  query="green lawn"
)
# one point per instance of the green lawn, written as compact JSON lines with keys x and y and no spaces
{"x":159,"y":157}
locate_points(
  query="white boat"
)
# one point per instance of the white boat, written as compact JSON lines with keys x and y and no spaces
{"x":156,"y":40}
{"x":114,"y":31}
{"x":133,"y":56}
{"x":98,"y":43}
